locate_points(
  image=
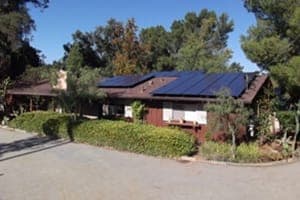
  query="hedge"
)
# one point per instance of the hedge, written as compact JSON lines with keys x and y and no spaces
{"x":44,"y":123}
{"x":138,"y":138}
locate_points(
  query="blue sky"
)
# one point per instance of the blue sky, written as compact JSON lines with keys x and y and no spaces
{"x":55,"y":25}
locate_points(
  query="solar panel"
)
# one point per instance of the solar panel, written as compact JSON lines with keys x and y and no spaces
{"x":177,"y":86}
{"x":124,"y":81}
{"x":203,"y":84}
{"x":221,"y":83}
{"x":238,"y":85}
{"x":199,"y":84}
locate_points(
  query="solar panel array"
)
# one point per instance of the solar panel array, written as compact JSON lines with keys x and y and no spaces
{"x":201,"y":84}
{"x":188,"y":83}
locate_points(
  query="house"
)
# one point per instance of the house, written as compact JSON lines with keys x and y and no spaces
{"x":43,"y":95}
{"x":178,"y":98}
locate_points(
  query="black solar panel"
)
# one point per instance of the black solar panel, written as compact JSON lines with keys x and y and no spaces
{"x":221,"y":83}
{"x":200,"y":84}
{"x":123,"y":81}
{"x":177,"y":87}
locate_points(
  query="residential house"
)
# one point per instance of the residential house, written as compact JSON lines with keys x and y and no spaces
{"x":178,"y":98}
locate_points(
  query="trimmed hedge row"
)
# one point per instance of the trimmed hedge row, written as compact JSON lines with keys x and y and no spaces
{"x":138,"y":138}
{"x":44,"y":123}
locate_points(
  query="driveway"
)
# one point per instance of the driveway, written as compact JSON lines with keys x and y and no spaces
{"x":38,"y":168}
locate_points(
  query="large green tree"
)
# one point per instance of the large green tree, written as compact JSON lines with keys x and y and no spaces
{"x":274,"y":42}
{"x":199,"y":41}
{"x":15,"y":27}
{"x":158,"y":40}
{"x":81,"y":83}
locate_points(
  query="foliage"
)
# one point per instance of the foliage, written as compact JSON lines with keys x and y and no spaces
{"x":127,"y":59}
{"x":157,"y":39}
{"x":216,"y":151}
{"x":264,"y":113}
{"x":245,"y":153}
{"x":230,"y":115}
{"x":48,"y":123}
{"x":139,"y":138}
{"x":274,"y":42}
{"x":15,"y":27}
{"x":248,"y":153}
{"x":138,"y":111}
{"x":286,"y":119}
{"x":3,"y":87}
{"x":288,"y":76}
{"x":199,"y":41}
{"x":202,"y":41}
{"x":81,"y":83}
{"x":33,"y":75}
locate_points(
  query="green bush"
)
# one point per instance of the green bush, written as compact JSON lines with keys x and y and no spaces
{"x":47,"y":123}
{"x":139,"y":138}
{"x":216,"y":151}
{"x":245,"y":153}
{"x":287,"y":119}
{"x":248,"y":153}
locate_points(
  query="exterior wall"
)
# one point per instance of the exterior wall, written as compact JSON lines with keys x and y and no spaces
{"x":160,"y":114}
{"x":154,"y":114}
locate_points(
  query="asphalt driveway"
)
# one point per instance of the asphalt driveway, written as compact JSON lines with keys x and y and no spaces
{"x":38,"y":168}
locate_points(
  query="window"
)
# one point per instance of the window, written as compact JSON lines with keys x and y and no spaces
{"x":188,"y":112}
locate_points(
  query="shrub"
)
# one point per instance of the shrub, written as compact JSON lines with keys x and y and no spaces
{"x":222,"y":152}
{"x":139,"y":138}
{"x":216,"y":151}
{"x":287,"y":119}
{"x":248,"y":153}
{"x":48,"y":123}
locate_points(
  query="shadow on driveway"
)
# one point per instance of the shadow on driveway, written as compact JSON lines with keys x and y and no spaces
{"x":29,"y":145}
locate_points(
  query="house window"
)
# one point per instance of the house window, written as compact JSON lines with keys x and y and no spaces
{"x":187,"y":112}
{"x":114,"y":110}
{"x":178,"y":112}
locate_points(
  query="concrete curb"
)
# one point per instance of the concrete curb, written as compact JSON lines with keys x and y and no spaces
{"x":258,"y":165}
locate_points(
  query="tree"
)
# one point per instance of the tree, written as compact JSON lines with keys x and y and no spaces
{"x":200,"y":42}
{"x":81,"y":83}
{"x":15,"y":27}
{"x":128,"y":57}
{"x":158,"y":40}
{"x":138,"y":111}
{"x":230,"y":115}
{"x":274,"y":42}
{"x":85,"y":42}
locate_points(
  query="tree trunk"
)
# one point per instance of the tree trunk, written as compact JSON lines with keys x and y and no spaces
{"x":233,"y":141}
{"x":296,"y":132}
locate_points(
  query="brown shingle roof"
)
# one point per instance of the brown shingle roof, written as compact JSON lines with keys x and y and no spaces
{"x":43,"y":88}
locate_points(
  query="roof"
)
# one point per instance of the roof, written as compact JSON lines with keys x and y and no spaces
{"x":184,"y":86}
{"x":42,"y":88}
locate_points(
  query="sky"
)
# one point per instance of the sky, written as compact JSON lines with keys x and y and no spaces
{"x":56,"y":24}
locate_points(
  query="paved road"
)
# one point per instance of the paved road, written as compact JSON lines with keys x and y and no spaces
{"x":37,"y":168}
